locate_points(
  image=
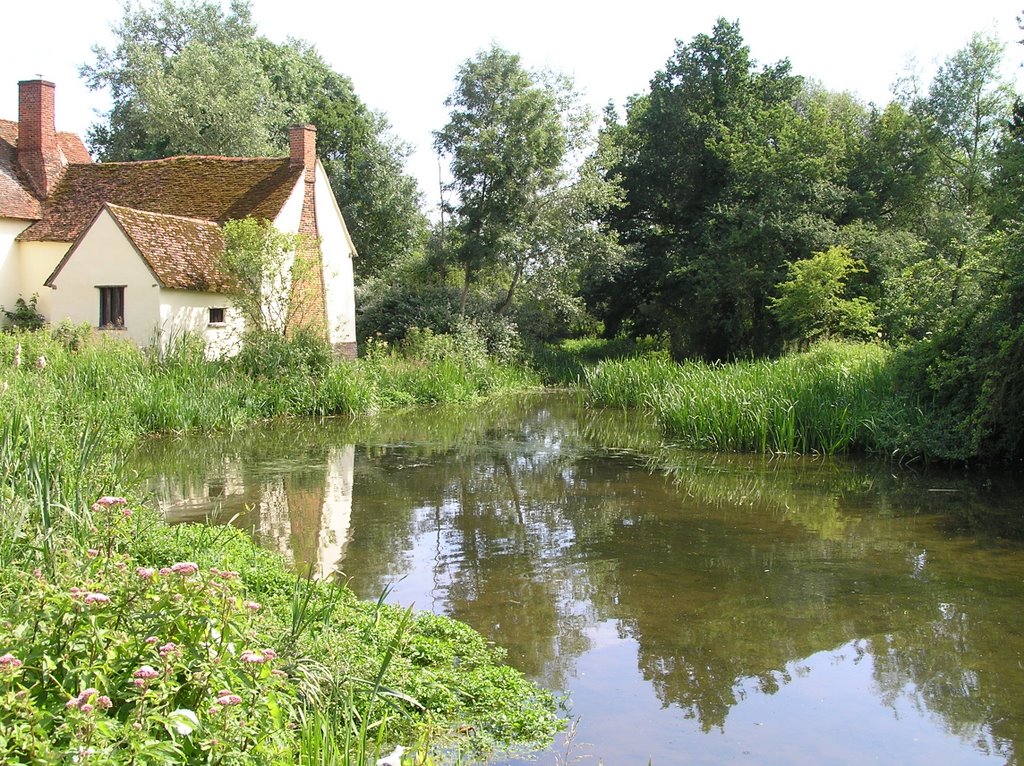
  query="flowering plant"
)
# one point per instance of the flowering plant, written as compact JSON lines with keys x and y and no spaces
{"x":108,"y":661}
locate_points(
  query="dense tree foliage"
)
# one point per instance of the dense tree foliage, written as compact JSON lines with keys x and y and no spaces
{"x":761,"y":208}
{"x":188,"y":78}
{"x":729,"y":172}
{"x":812,"y":302}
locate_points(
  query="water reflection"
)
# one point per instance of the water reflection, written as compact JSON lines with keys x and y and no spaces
{"x":302,"y":509}
{"x":795,"y":609}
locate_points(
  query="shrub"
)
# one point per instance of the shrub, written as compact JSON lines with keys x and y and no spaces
{"x":270,"y":355}
{"x":24,"y":316}
{"x":389,"y":310}
{"x":70,"y":335}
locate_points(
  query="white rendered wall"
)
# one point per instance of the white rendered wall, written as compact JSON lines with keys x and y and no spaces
{"x":24,"y":266}
{"x":38,"y":260}
{"x":183,"y":311}
{"x":10,"y":265}
{"x":105,"y":257}
{"x":337,"y":251}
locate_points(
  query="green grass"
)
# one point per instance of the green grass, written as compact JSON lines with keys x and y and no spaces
{"x":836,"y":398}
{"x":567,"y":363}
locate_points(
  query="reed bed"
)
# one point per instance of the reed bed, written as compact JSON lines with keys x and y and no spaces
{"x":836,"y":398}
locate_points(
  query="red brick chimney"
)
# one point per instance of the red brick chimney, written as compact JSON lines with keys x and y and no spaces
{"x":302,"y":148}
{"x":38,"y":153}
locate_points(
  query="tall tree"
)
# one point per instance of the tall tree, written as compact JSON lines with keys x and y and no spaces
{"x":508,"y":136}
{"x":190,"y":78}
{"x":960,"y":119}
{"x":968,"y":375}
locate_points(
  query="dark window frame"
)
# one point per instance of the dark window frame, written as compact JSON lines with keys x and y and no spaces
{"x":218,"y":315}
{"x":111,"y":306}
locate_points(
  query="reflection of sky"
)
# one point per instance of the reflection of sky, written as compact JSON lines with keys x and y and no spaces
{"x":829,"y":713}
{"x":422,"y":568}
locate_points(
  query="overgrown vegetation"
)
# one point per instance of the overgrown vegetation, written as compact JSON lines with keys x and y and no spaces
{"x":123,"y":640}
{"x":24,"y":315}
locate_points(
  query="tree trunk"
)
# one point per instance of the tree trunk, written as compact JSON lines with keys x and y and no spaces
{"x":503,"y":306}
{"x":467,"y":275}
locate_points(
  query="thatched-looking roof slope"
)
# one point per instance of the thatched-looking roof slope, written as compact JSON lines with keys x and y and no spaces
{"x":213,"y":189}
{"x":181,"y":252}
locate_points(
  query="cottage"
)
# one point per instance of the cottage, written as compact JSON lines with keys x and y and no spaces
{"x":132,"y":247}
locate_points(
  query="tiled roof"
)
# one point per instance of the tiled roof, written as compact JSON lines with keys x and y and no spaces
{"x":16,"y":199}
{"x":209,"y":188}
{"x":181,"y":252}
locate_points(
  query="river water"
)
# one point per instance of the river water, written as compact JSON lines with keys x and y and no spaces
{"x":695,"y":608}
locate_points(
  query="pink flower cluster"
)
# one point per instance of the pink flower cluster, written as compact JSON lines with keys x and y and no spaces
{"x":89,"y":598}
{"x":9,"y":663}
{"x":257,"y":656}
{"x":184,"y":568}
{"x":225,"y":698}
{"x":146,"y":673}
{"x":168,"y":649}
{"x":110,"y":501}
{"x":88,"y":700}
{"x":143,"y":676}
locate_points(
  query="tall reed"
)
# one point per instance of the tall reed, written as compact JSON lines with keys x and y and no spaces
{"x":836,"y":398}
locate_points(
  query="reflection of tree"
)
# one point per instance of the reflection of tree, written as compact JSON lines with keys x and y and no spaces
{"x":721,"y":593}
{"x":952,"y":659}
{"x":533,"y":521}
{"x":490,"y":513}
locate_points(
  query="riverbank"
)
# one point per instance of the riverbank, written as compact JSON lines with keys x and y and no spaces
{"x":124,"y":640}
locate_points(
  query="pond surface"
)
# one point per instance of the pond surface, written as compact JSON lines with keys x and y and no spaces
{"x":697,"y":609}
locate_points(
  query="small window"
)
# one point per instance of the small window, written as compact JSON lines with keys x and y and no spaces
{"x":112,"y":307}
{"x":216,"y":316}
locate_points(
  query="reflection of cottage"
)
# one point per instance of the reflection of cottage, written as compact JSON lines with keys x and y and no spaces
{"x":131,"y":247}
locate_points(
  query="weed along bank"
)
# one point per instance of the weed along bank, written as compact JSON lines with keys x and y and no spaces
{"x":133,"y":248}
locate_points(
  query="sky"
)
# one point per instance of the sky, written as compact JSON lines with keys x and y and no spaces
{"x":403,"y":56}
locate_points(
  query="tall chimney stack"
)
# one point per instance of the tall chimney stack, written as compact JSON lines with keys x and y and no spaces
{"x":302,"y":149}
{"x":38,"y":153}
